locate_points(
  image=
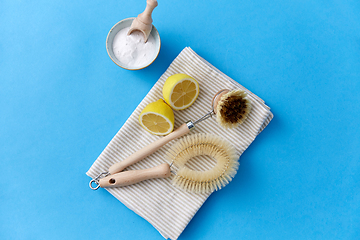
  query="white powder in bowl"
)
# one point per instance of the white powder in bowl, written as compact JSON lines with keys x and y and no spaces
{"x":131,"y":49}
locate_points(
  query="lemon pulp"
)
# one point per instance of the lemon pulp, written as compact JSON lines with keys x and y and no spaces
{"x":155,"y":123}
{"x":157,"y":118}
{"x":180,"y":91}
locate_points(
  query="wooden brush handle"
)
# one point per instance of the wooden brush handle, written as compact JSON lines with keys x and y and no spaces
{"x":134,"y":176}
{"x":149,"y":149}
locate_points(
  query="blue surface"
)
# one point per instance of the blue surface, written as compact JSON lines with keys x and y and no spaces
{"x":62,"y":100}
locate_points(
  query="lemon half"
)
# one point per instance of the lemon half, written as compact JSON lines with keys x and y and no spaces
{"x":157,"y":118}
{"x":180,"y":91}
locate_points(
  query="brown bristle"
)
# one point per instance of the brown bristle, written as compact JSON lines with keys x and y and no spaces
{"x":233,"y":108}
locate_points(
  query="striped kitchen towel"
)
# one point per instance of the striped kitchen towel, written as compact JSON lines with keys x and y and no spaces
{"x":166,"y":207}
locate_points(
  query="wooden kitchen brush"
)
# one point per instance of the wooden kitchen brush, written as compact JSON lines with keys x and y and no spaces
{"x":232,"y":108}
{"x":196,"y":145}
{"x":178,"y":155}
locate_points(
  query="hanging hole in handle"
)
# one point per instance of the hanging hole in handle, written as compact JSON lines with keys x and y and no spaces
{"x":91,"y":184}
{"x":112,"y":181}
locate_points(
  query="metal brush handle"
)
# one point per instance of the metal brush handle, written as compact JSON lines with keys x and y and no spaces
{"x":206,"y":116}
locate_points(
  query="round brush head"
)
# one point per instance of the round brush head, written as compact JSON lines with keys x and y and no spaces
{"x":231,"y":108}
{"x":198,"y":145}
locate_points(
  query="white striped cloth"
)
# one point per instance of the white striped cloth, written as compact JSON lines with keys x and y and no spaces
{"x":166,"y":207}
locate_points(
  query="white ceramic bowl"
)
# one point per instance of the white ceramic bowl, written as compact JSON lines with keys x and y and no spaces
{"x":110,"y":38}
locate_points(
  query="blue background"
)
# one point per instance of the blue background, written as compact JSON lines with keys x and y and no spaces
{"x":62,"y":100}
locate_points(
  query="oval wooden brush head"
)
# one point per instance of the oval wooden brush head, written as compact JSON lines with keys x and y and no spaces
{"x":199,"y":145}
{"x":231,"y":107}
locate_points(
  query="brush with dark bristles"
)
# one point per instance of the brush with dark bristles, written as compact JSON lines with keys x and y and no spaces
{"x":231,"y":109}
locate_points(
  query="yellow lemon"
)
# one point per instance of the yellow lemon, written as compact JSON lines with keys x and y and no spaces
{"x":180,"y":91}
{"x":157,"y":118}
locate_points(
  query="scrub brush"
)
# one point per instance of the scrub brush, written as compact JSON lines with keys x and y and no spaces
{"x":198,"y":145}
{"x":232,"y":109}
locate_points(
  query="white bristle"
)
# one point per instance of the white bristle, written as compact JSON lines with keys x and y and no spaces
{"x":203,"y":144}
